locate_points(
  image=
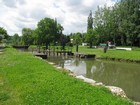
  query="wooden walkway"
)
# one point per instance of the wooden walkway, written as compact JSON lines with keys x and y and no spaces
{"x":46,"y":53}
{"x":64,"y":53}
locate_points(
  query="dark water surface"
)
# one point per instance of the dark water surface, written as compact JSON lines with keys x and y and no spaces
{"x":120,"y":74}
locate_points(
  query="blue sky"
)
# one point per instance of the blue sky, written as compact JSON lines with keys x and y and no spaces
{"x":71,"y":14}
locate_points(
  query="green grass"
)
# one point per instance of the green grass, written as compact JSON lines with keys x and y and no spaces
{"x":132,"y":55}
{"x":26,"y":80}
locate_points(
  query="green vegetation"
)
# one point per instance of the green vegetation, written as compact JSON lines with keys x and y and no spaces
{"x":119,"y":23}
{"x":90,"y":36}
{"x":99,"y":52}
{"x":3,"y":35}
{"x":27,"y":36}
{"x":48,"y":32}
{"x":116,"y":54}
{"x":26,"y":80}
{"x":16,"y":39}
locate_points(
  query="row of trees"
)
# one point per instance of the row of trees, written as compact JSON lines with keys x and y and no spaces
{"x":120,"y":23}
{"x":48,"y":32}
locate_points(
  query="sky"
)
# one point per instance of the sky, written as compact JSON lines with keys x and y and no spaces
{"x":71,"y":14}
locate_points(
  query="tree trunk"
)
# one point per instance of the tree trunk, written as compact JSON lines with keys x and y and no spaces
{"x":76,"y":47}
{"x":90,"y":45}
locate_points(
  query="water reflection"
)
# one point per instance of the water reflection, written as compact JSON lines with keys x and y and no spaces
{"x":124,"y":75}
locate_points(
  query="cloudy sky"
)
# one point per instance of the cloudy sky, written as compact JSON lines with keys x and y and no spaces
{"x":71,"y":14}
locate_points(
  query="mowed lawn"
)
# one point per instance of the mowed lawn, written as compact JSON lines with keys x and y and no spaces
{"x":27,"y":80}
{"x":111,"y":53}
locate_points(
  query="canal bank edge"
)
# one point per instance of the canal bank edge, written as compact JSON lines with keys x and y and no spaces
{"x":119,"y":59}
{"x":114,"y":90}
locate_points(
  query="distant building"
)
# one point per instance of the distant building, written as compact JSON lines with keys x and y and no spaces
{"x":84,"y":44}
{"x":71,"y":40}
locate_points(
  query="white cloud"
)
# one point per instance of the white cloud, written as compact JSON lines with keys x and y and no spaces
{"x":88,"y":3}
{"x":72,"y":14}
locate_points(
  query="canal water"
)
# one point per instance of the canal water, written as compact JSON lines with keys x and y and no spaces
{"x":120,"y":74}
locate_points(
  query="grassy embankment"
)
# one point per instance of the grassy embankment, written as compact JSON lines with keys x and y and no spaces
{"x":26,"y":80}
{"x":111,"y":53}
{"x":131,"y":56}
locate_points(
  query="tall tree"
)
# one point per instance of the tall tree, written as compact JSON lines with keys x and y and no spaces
{"x":91,"y":33}
{"x":90,"y":21}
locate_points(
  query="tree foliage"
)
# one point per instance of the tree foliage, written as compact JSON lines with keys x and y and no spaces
{"x":48,"y":31}
{"x":3,"y":34}
{"x":91,"y":37}
{"x":27,"y":36}
{"x":91,"y":33}
{"x":77,"y":38}
{"x":119,"y":23}
{"x":90,"y":21}
{"x":16,"y":39}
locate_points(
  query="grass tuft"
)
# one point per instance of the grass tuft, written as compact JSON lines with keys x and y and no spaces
{"x":4,"y":96}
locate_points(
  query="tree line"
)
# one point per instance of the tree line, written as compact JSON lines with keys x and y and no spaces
{"x":48,"y":32}
{"x":119,"y":24}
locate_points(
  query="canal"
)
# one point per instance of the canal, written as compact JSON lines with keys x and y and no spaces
{"x":120,"y":74}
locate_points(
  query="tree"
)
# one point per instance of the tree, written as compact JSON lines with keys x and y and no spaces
{"x":35,"y":36}
{"x":3,"y":34}
{"x":63,"y":40}
{"x":119,"y":23}
{"x":78,"y":38}
{"x":1,"y":37}
{"x":91,"y":37}
{"x":91,"y":33}
{"x":105,"y":23}
{"x":90,"y":21}
{"x":16,"y":39}
{"x":48,"y":31}
{"x":83,"y":37}
{"x":27,"y":36}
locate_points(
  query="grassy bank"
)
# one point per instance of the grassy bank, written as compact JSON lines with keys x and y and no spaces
{"x":130,"y":56}
{"x":115,"y":54}
{"x":26,"y":80}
